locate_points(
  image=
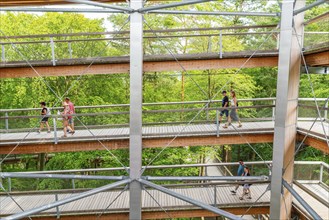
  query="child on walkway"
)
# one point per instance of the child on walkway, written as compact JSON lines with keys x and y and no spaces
{"x":44,"y":120}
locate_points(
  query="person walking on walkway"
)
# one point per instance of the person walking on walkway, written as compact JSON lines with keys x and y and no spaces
{"x":240,"y":173}
{"x":233,"y":114}
{"x":225,"y":103}
{"x":246,"y":187}
{"x":72,"y":111}
{"x":45,"y":113}
{"x":65,"y":113}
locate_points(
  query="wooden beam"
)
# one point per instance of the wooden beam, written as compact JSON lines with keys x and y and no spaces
{"x":34,"y":148}
{"x":314,"y":142}
{"x":192,"y":213}
{"x":318,"y":59}
{"x":112,"y":65}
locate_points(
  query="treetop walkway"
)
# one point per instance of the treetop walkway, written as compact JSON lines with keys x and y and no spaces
{"x":174,"y":131}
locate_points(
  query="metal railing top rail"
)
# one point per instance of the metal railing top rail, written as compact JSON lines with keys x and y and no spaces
{"x":320,"y":163}
{"x":146,"y":31}
{"x":127,"y":38}
{"x":144,"y":111}
{"x":159,"y":103}
{"x":144,"y":104}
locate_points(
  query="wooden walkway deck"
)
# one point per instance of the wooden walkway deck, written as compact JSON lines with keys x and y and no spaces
{"x":99,"y":202}
{"x":158,"y":136}
{"x":96,"y":204}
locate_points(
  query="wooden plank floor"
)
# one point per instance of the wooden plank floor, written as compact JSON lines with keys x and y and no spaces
{"x":159,"y":131}
{"x":318,"y":207}
{"x":100,"y":201}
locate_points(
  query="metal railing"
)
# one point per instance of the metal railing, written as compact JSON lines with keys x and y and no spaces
{"x":69,"y":44}
{"x":302,"y":171}
{"x":162,"y":113}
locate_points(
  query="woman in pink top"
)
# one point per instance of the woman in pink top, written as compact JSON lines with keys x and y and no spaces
{"x":65,"y":115}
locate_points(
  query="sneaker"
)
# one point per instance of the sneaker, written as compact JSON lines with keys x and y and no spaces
{"x":233,"y":191}
{"x":72,"y":132}
{"x":225,"y":126}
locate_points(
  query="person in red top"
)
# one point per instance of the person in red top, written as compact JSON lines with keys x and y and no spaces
{"x":72,"y":111}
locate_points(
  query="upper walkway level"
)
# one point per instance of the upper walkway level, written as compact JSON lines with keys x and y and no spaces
{"x":164,"y":124}
{"x":59,"y":56}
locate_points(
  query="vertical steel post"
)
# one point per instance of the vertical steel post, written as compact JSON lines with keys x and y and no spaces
{"x":220,"y":45}
{"x":9,"y":184}
{"x":55,"y":131}
{"x":57,"y":207}
{"x":52,"y":45}
{"x":215,"y":196}
{"x":217,"y":123}
{"x":136,"y":97}
{"x":321,"y":173}
{"x":3,"y":53}
{"x":70,"y":49}
{"x":73,"y":184}
{"x":273,"y":111}
{"x":286,"y":110}
{"x":6,"y":122}
{"x":326,"y":111}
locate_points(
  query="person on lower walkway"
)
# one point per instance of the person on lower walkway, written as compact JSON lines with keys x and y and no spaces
{"x":246,"y":187}
{"x":44,"y":121}
{"x":234,"y":112}
{"x":240,"y":173}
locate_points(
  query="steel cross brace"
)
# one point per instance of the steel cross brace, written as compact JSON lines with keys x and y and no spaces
{"x":190,"y":200}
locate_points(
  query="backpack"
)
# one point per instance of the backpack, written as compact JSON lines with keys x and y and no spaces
{"x":48,"y":111}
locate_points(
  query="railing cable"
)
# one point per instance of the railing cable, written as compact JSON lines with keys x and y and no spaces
{"x":177,"y":61}
{"x":12,"y":198}
{"x":302,"y":142}
{"x":162,"y":208}
{"x":217,"y":93}
{"x":107,"y":207}
{"x":311,"y":84}
{"x":61,"y":97}
{"x":254,"y":203}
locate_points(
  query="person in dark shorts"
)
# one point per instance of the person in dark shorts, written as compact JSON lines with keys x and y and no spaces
{"x":225,"y":103}
{"x":234,"y":112}
{"x":240,"y":173}
{"x":45,"y":113}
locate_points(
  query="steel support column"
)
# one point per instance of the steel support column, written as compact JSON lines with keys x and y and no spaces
{"x":136,"y":96}
{"x":286,"y":110}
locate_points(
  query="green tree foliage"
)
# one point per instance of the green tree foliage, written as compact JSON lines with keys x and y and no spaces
{"x":157,"y":87}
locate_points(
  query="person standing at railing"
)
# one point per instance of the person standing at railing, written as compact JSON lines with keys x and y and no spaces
{"x":65,"y":115}
{"x":45,"y":112}
{"x":72,"y":111}
{"x":240,"y":173}
{"x":233,"y":114}
{"x":225,"y":103}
